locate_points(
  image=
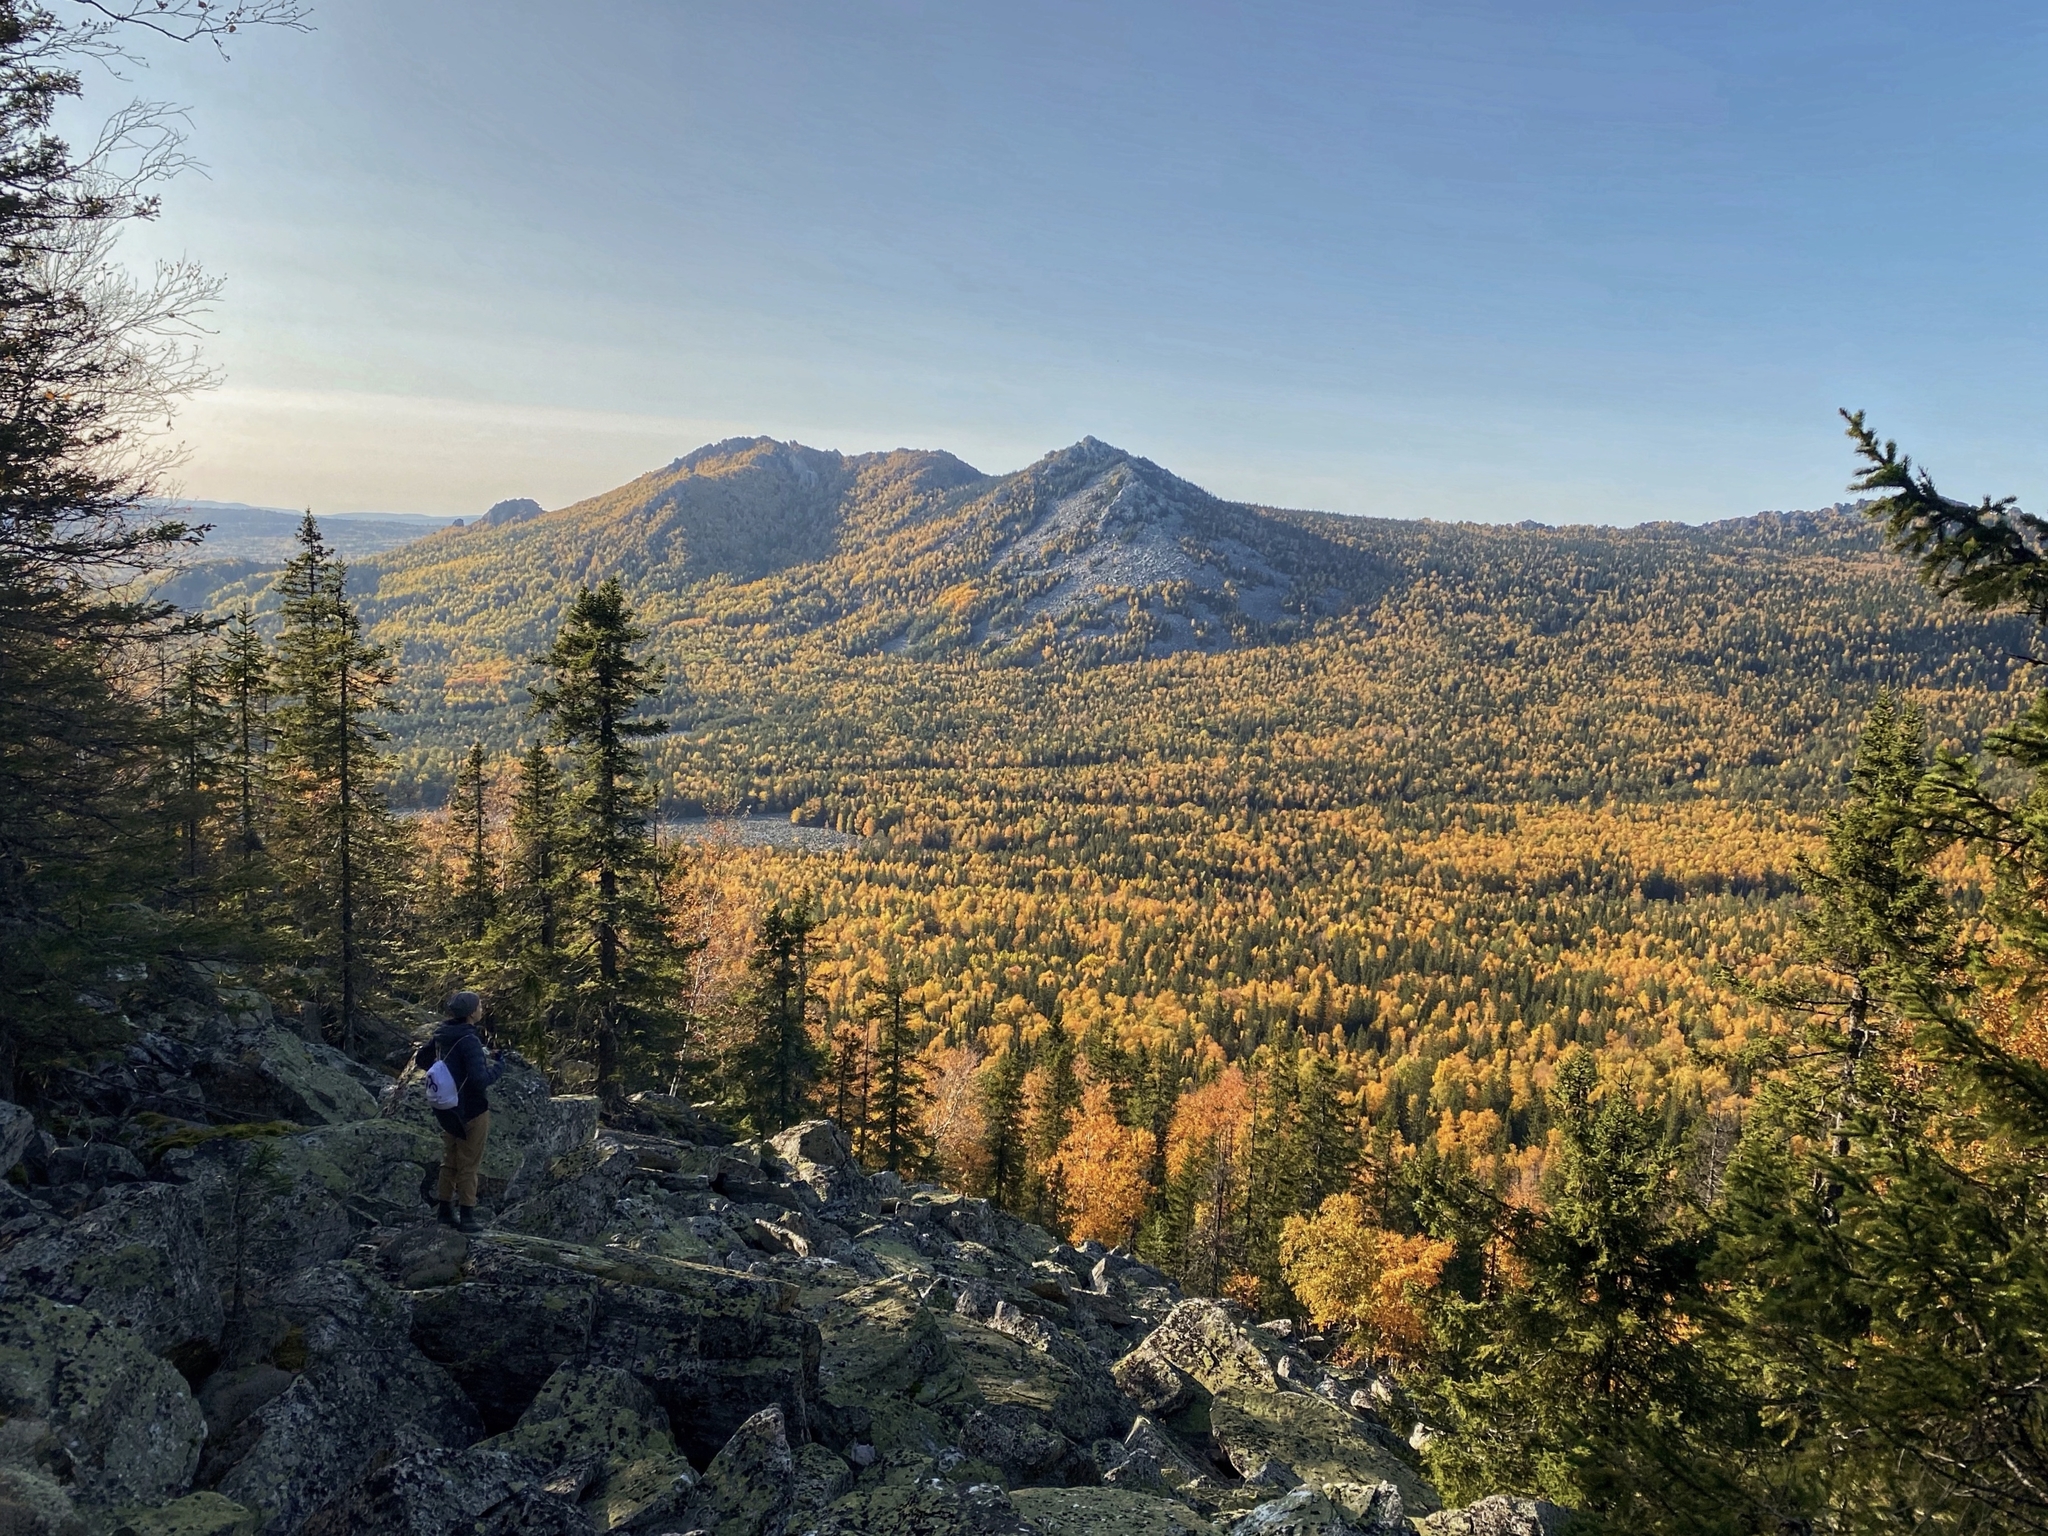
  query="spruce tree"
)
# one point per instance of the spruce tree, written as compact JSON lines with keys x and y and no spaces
{"x":524,"y":939}
{"x":776,"y":1061}
{"x":1052,"y":1116}
{"x":338,"y":847}
{"x":469,"y":821}
{"x":1002,"y":1114}
{"x":629,"y":989}
{"x":898,"y":1093}
{"x":196,"y":724}
{"x":246,"y":689}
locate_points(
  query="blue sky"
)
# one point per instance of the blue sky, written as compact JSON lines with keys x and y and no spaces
{"x":1565,"y":261}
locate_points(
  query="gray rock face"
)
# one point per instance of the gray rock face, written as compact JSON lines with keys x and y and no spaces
{"x":1304,"y":1512}
{"x":750,"y":1488}
{"x":604,"y":1441}
{"x":530,"y":1128}
{"x":361,"y":1396}
{"x":1499,"y":1515}
{"x":137,"y":1260}
{"x":477,"y":1492}
{"x":269,"y":1073}
{"x":80,"y":1393}
{"x":17,"y":1125}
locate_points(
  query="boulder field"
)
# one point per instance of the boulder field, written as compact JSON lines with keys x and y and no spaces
{"x":225,"y":1310}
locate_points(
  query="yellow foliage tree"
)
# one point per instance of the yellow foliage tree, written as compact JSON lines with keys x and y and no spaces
{"x":1102,"y":1166}
{"x":1360,"y":1279}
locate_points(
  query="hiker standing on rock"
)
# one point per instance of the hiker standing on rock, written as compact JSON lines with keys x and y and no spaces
{"x":458,"y":1072}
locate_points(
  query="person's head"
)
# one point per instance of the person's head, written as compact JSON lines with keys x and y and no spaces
{"x":463,"y":1008}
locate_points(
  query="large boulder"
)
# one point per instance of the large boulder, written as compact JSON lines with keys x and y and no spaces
{"x":79,"y":1393}
{"x":750,"y":1487}
{"x":1500,"y":1515}
{"x":268,"y":1206}
{"x":918,"y":1496}
{"x":713,"y":1346}
{"x":596,"y":1428}
{"x":1303,"y":1512}
{"x":438,"y":1492}
{"x":1298,"y":1437}
{"x":362,"y":1395}
{"x":137,"y":1259}
{"x":1200,"y":1340}
{"x":268,"y":1073}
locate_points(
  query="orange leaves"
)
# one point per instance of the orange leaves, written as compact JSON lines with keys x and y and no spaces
{"x":1213,"y":1119}
{"x":1102,"y":1165}
{"x":1361,"y":1280}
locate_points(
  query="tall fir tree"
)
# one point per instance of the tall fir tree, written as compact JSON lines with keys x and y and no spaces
{"x":629,"y":984}
{"x":896,"y":1110}
{"x":339,"y":851}
{"x":1005,"y":1154}
{"x":476,"y":892}
{"x":1052,"y":1116}
{"x":776,"y":1061}
{"x":245,"y":684}
{"x":523,"y":941}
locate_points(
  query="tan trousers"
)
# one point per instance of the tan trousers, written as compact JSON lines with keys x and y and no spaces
{"x":461,"y":1157}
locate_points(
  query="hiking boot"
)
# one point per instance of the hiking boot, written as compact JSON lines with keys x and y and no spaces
{"x":447,"y":1213}
{"x":468,"y":1221}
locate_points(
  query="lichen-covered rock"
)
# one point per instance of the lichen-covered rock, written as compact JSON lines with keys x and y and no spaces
{"x":598,"y":1429}
{"x":1316,"y":1441}
{"x":579,"y":1201}
{"x":1303,"y":1512}
{"x":1153,"y":1382}
{"x":1201,"y":1340}
{"x":918,"y":1496}
{"x":750,"y":1487}
{"x":822,"y":1476}
{"x":1499,"y":1515}
{"x":32,"y":1504}
{"x":268,"y":1073}
{"x":362,"y":1395}
{"x":1106,"y":1512}
{"x":137,"y":1259}
{"x":17,"y":1127}
{"x":197,"y":1514}
{"x":1374,"y":1509}
{"x":476,"y":1492}
{"x":79,"y":1393}
{"x":269,"y":1206}
{"x":423,"y":1256}
{"x":714,"y":1347}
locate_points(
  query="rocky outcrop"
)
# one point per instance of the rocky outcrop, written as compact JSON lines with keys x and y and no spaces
{"x":85,"y":1402}
{"x":221,"y":1326}
{"x":1500,"y":1515}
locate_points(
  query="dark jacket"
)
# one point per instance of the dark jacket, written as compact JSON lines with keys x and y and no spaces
{"x":459,"y":1046}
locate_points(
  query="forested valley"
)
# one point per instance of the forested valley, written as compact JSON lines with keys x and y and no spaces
{"x":1591,"y":976}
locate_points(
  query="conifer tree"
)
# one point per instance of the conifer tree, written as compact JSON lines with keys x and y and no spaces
{"x":898,"y":1104}
{"x":196,"y":726}
{"x":524,"y":937}
{"x":1323,"y":1155}
{"x":777,"y":1061}
{"x":1052,"y":1117}
{"x":246,"y":690}
{"x":629,"y":991}
{"x":1002,"y":1111}
{"x":337,"y":844}
{"x":476,"y":892}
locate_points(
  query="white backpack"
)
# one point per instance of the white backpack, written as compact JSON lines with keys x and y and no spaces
{"x":441,"y":1090}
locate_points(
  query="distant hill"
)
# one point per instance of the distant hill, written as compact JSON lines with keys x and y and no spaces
{"x":237,"y":531}
{"x":837,"y":629}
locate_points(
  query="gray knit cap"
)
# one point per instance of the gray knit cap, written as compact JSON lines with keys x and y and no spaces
{"x":461,"y":1005}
